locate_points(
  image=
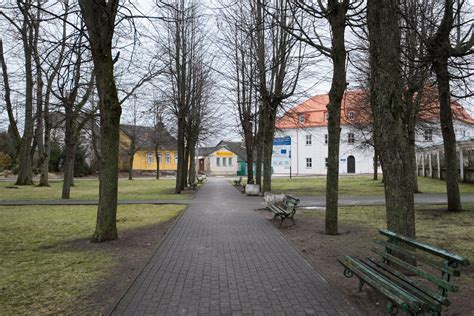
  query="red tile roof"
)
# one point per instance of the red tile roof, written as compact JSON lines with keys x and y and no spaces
{"x":315,"y":108}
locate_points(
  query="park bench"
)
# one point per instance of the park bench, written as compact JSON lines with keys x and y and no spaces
{"x":286,"y":209}
{"x":238,"y":182}
{"x":200,"y":179}
{"x":416,"y":277}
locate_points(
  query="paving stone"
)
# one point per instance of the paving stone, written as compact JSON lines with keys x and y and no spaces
{"x":221,"y":257}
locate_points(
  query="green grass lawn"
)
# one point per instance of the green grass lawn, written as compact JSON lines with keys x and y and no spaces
{"x":139,"y":189}
{"x":449,"y":230}
{"x":354,"y":185}
{"x":40,"y":272}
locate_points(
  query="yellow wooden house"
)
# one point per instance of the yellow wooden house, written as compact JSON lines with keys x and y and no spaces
{"x":141,"y":141}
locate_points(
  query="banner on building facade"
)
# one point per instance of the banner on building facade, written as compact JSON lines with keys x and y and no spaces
{"x":281,"y":157}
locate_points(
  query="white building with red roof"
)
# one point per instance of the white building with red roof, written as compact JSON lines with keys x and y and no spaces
{"x":301,"y":139}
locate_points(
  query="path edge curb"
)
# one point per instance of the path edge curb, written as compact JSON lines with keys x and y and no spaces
{"x":111,"y":308}
{"x":305,"y":259}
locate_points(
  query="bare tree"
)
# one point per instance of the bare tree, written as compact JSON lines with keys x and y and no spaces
{"x":279,"y":62}
{"x":99,"y":17}
{"x":386,"y":90}
{"x":158,"y":110}
{"x":335,"y":12}
{"x":187,"y":76}
{"x":441,"y":52}
{"x":26,"y":26}
{"x":238,"y":49}
{"x":131,"y":145}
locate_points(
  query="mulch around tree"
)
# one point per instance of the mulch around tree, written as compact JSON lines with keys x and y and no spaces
{"x":132,"y":251}
{"x":321,"y":251}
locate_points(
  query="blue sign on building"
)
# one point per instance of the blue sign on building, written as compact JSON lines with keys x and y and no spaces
{"x":282,"y":141}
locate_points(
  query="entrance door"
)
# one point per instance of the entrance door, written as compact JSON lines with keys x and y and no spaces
{"x":201,"y":165}
{"x":351,"y":164}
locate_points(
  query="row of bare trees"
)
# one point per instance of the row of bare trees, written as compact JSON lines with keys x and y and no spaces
{"x":431,"y":45}
{"x":70,"y":53}
{"x":63,"y":59}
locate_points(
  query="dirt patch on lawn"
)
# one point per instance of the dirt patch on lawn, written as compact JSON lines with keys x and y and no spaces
{"x":322,"y":251}
{"x":131,"y":251}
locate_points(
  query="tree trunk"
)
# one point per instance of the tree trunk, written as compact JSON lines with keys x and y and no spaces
{"x":258,"y":167}
{"x":337,"y":20}
{"x":249,"y":149}
{"x":184,"y":173}
{"x":68,"y":181}
{"x":179,"y":170}
{"x":157,"y":155}
{"x":376,"y":169}
{"x":25,"y":170}
{"x":388,"y":111}
{"x":130,"y":169}
{"x":259,"y":149}
{"x":192,"y":164}
{"x":267,"y":147}
{"x":70,"y":138}
{"x":99,"y":17}
{"x":449,"y":136}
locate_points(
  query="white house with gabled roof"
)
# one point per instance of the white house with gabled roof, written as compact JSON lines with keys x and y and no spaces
{"x":305,"y":126}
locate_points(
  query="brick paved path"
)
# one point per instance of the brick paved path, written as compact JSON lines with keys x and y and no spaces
{"x":221,"y":257}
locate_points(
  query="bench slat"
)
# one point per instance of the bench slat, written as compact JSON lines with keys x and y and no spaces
{"x":432,"y":298}
{"x":419,"y":256}
{"x":398,"y":295}
{"x":440,"y":282}
{"x":453,"y":258}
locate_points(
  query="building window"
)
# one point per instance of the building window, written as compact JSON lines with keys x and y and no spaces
{"x":309,"y":141}
{"x":351,"y":115}
{"x":326,"y":116}
{"x":325,"y":139}
{"x":326,"y":162}
{"x":309,"y":162}
{"x":159,"y":157}
{"x":463,"y":133}
{"x":168,"y":158}
{"x":351,"y":138}
{"x":149,"y":157}
{"x":301,"y":118}
{"x":176,"y":159}
{"x":224,"y":162}
{"x":218,"y":161}
{"x":230,"y":161}
{"x":428,"y":135}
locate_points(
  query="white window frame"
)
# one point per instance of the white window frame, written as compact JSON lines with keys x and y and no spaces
{"x":224,"y":162}
{"x":350,"y":138}
{"x":351,"y":115}
{"x":218,"y":161}
{"x":230,"y":161}
{"x":428,"y":135}
{"x":309,"y":139}
{"x":168,"y":158}
{"x":149,"y":157}
{"x":309,"y":163}
{"x":159,"y":157}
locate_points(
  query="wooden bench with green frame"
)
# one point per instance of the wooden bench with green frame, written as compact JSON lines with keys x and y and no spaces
{"x":405,"y":272}
{"x":286,"y":210}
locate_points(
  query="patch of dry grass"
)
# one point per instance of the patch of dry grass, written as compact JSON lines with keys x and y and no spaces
{"x":40,"y":272}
